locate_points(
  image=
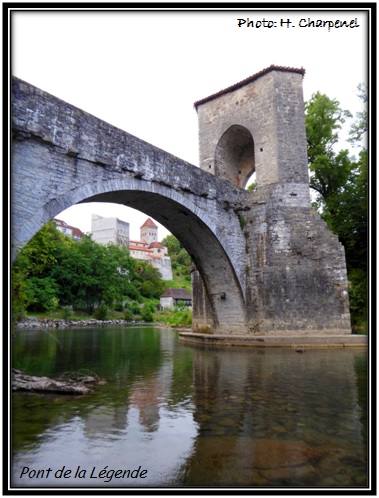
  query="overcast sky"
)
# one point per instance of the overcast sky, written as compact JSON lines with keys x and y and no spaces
{"x":142,"y":71}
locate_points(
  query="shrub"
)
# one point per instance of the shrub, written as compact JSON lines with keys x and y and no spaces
{"x":119,"y":307}
{"x":147,"y":313}
{"x":135,"y":308}
{"x":102,"y":313}
{"x":66,"y":312}
{"x":181,"y":317}
{"x":128,"y":316}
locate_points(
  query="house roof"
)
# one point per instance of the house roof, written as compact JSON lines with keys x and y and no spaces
{"x":137,"y":248}
{"x":138,"y":242}
{"x":149,"y":223}
{"x":177,"y":294}
{"x":156,"y":245}
{"x":75,"y":231}
{"x":249,"y":80}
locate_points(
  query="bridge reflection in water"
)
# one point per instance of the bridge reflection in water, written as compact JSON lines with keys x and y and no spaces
{"x":191,"y":415}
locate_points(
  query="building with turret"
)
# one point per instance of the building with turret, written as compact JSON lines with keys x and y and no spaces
{"x":148,"y":248}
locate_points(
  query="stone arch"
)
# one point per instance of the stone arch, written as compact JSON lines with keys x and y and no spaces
{"x":192,"y":225}
{"x":235,"y":155}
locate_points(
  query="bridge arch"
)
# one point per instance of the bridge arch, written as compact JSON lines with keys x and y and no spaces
{"x":190,"y":222}
{"x":235,"y":155}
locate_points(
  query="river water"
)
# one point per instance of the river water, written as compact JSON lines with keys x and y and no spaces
{"x":178,"y":415}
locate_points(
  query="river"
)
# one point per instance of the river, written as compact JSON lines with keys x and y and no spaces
{"x":172,"y":414}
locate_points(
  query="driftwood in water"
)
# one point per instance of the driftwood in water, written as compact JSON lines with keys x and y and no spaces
{"x":75,"y":385}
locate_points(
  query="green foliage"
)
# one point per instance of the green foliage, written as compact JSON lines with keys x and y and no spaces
{"x":53,"y":269}
{"x":128,"y":315}
{"x":358,"y":296}
{"x":135,"y":308}
{"x":67,"y":312}
{"x":360,"y":126}
{"x":20,"y":296}
{"x":43,"y":294}
{"x":181,"y":261}
{"x":148,"y":280}
{"x":242,"y":221}
{"x":102,"y":312}
{"x":148,"y":313}
{"x":329,"y":170}
{"x":342,"y":188}
{"x":180,"y":317}
{"x":252,"y":186}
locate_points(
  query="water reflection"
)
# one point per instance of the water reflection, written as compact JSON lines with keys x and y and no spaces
{"x":192,"y":416}
{"x":273,"y":417}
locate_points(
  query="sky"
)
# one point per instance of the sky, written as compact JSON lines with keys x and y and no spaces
{"x":142,"y":71}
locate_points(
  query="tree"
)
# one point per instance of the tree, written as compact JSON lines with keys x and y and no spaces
{"x":180,"y":259}
{"x":329,"y":170}
{"x":341,"y":183}
{"x":360,"y":126}
{"x":40,"y":254}
{"x":148,"y":280}
{"x":53,"y":269}
{"x":91,"y":273}
{"x":32,"y":286}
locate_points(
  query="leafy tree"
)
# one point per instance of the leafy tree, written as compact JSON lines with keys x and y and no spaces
{"x":148,"y":280}
{"x":39,"y":255}
{"x":180,"y":259}
{"x":329,"y":170}
{"x":52,"y":269}
{"x":90,"y":273}
{"x":32,"y":266}
{"x":360,"y":126}
{"x":341,"y":184}
{"x":43,"y":294}
{"x":20,"y":296}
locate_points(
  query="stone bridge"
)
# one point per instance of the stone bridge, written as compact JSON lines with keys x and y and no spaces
{"x":265,"y":262}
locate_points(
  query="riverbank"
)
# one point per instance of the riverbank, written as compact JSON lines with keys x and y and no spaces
{"x":42,"y":323}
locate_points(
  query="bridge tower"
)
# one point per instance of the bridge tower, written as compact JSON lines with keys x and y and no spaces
{"x":256,"y":126}
{"x":295,"y":274}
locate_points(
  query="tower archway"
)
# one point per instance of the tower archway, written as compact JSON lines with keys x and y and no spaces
{"x":235,"y":156}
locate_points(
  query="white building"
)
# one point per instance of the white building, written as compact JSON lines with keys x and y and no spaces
{"x":171,"y":297}
{"x":148,"y":249}
{"x":105,"y":230}
{"x":68,"y":230}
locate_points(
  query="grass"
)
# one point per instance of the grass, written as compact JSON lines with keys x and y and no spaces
{"x":180,"y":282}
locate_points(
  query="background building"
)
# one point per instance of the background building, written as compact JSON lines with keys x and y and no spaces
{"x":105,"y":230}
{"x":171,"y":297}
{"x":148,"y":249}
{"x":73,"y":232}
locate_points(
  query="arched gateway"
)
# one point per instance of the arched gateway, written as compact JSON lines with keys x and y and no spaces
{"x":265,"y":262}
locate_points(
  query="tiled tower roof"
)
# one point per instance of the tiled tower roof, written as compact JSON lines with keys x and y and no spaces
{"x":149,"y":223}
{"x":249,"y":80}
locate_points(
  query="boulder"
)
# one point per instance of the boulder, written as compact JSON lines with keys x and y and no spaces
{"x":74,"y":385}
